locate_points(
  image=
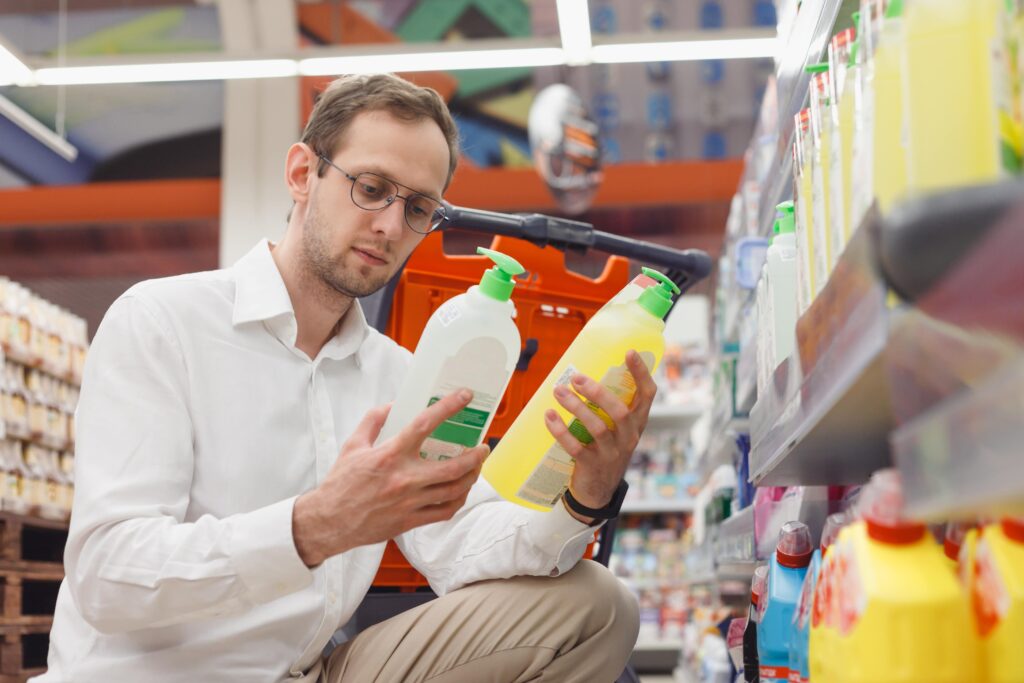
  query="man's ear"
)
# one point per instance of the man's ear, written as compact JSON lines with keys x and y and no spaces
{"x":300,"y":169}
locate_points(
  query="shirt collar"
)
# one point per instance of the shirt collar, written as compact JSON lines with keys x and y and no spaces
{"x":260,"y":295}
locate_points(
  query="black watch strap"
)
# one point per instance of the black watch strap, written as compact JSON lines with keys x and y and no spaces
{"x":609,"y":511}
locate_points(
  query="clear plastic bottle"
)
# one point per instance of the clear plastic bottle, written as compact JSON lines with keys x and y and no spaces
{"x":469,"y":342}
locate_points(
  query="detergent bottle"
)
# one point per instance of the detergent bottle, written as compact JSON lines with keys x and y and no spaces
{"x":810,"y":639}
{"x":821,"y":165}
{"x":997,"y":597}
{"x":751,"y":672}
{"x":961,"y":124}
{"x":781,"y":267}
{"x":802,"y":210}
{"x":786,"y":574}
{"x":887,"y":123}
{"x":842,"y":68}
{"x":528,"y":466}
{"x":894,"y":599}
{"x":470,"y":342}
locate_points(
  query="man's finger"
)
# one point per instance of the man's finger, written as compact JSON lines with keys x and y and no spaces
{"x":557,"y":427}
{"x":369,"y":427}
{"x":448,"y":491}
{"x":587,"y":417}
{"x":602,"y":397}
{"x":646,"y":387}
{"x":439,"y":473}
{"x":424,"y":424}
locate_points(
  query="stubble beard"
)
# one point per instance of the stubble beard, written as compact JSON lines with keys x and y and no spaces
{"x":321,"y":266}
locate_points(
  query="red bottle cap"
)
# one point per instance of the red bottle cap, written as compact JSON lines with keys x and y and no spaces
{"x":758,"y":584}
{"x":1013,"y":527}
{"x":956,"y":532}
{"x":795,"y":546}
{"x":881,"y":506}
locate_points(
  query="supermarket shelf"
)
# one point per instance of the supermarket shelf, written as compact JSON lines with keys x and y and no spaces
{"x":963,"y":456}
{"x":825,"y":417}
{"x":654,"y":506}
{"x":19,"y":433}
{"x":808,"y":44}
{"x":658,"y":645}
{"x":734,"y":543}
{"x":722,"y":445}
{"x":22,"y":358}
{"x":676,"y":417}
{"x":651,"y":582}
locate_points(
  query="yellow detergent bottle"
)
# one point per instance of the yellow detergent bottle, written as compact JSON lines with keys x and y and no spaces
{"x":842,"y":57}
{"x":802,"y":191}
{"x":821,"y":129}
{"x":960,"y":539}
{"x":528,"y":467}
{"x":997,"y":596}
{"x":959,"y":93}
{"x":819,"y":646}
{"x":901,"y":615}
{"x":889,"y":155}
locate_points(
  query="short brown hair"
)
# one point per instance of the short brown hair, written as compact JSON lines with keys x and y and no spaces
{"x":349,"y":96}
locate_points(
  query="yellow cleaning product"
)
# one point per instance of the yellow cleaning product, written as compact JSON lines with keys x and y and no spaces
{"x":842,"y":68}
{"x":821,"y":145}
{"x":528,"y":466}
{"x":802,"y":203}
{"x":869,"y":27}
{"x":900,"y":614}
{"x":961,"y":127}
{"x":997,"y":595}
{"x":886,"y":118}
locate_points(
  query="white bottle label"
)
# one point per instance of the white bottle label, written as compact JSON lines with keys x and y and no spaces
{"x":479,"y":365}
{"x":550,"y":479}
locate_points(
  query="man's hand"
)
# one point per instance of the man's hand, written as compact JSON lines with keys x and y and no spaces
{"x":601,"y":465}
{"x":374,"y":493}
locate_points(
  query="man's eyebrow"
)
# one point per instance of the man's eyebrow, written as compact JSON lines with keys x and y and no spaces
{"x":377,"y":170}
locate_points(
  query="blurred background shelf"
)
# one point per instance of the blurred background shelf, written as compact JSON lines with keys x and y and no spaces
{"x":676,"y":417}
{"x":653,"y":506}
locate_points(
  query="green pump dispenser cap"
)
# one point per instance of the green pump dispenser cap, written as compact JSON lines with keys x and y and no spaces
{"x":894,"y":10}
{"x":497,"y":282}
{"x":787,"y":222}
{"x":854,"y":49}
{"x":657,"y":299}
{"x":816,"y":68}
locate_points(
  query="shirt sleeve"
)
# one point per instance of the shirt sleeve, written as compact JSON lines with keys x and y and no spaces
{"x":131,"y":560}
{"x":491,"y":538}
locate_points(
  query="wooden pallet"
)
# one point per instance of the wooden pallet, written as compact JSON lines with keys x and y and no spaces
{"x":31,"y":570}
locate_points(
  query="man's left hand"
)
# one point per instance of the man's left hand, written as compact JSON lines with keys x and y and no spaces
{"x":601,"y":465}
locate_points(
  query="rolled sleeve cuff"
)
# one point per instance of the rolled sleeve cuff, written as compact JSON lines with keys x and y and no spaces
{"x":264,"y":555}
{"x":561,"y":536}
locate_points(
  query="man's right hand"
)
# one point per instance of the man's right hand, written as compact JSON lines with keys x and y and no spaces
{"x":374,"y":493}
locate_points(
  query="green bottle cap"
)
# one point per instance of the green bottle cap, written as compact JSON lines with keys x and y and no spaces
{"x":657,"y":299}
{"x":854,"y":49}
{"x":787,"y":222}
{"x":816,"y":68}
{"x":497,"y":282}
{"x":894,"y":10}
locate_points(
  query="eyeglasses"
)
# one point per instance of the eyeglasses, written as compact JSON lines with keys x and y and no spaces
{"x":372,"y":192}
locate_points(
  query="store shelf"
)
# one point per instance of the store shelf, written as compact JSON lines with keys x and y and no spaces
{"x":963,"y":457}
{"x":722,"y":445}
{"x":807,"y":44}
{"x":675,"y":417}
{"x":658,"y":645}
{"x":825,"y":417}
{"x":657,"y":505}
{"x":651,"y":582}
{"x":734,"y":544}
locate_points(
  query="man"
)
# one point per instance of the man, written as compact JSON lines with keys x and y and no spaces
{"x":220,"y":533}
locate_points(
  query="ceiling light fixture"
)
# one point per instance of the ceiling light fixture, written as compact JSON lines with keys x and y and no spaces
{"x":33,"y":127}
{"x":167,"y":72}
{"x":574,"y":27}
{"x":13,"y":70}
{"x":452,"y":60}
{"x":684,"y":50}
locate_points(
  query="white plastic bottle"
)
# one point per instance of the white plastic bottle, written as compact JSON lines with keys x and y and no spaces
{"x":781,"y":267}
{"x":469,"y":342}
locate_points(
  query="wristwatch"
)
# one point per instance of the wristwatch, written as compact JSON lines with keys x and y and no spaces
{"x":609,"y":511}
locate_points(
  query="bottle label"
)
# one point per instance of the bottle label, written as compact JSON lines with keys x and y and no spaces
{"x":989,"y":595}
{"x":480,"y":365}
{"x":550,"y":479}
{"x":1003,"y":58}
{"x":820,"y":226}
{"x":449,"y":312}
{"x":774,"y":674}
{"x":835,"y":189}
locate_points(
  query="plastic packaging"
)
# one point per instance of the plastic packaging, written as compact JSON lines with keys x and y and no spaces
{"x":786,"y":574}
{"x":758,"y":585}
{"x":802,"y":186}
{"x":889,"y":597}
{"x":821,"y":130}
{"x":997,"y":598}
{"x":528,"y":467}
{"x":782,"y":285}
{"x":842,"y":71}
{"x":469,"y":342}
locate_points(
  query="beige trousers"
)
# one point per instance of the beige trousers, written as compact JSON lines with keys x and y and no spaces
{"x":576,"y":628}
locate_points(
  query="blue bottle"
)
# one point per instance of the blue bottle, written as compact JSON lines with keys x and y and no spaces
{"x":786,"y":575}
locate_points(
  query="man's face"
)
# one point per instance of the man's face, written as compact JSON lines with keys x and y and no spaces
{"x":355,"y":251}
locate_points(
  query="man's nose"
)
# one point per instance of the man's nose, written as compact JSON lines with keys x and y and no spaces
{"x":390,"y":221}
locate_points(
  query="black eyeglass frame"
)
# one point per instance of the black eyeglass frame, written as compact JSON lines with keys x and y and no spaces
{"x":388,"y":201}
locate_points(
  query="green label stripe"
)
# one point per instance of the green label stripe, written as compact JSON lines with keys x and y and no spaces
{"x":464,"y":428}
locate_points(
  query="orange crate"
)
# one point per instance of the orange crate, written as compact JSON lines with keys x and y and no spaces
{"x":552,"y":306}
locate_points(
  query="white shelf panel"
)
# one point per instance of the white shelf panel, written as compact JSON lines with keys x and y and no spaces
{"x":674,"y":417}
{"x":653,"y":506}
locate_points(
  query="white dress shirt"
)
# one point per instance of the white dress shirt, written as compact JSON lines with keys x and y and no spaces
{"x":199,"y":423}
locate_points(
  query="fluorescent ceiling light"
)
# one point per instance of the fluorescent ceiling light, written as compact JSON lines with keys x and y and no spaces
{"x":574,"y":27}
{"x":13,"y":71}
{"x":33,"y":127}
{"x":685,"y":50}
{"x":431,"y":61}
{"x":170,"y":71}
